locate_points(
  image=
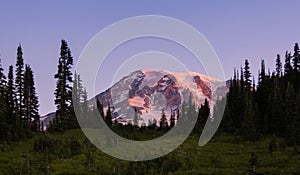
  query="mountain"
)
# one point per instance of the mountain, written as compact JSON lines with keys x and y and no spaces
{"x":149,"y":91}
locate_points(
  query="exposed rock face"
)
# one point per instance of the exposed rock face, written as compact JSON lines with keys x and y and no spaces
{"x":169,"y":88}
{"x":202,"y":87}
{"x":149,"y":91}
{"x":166,"y":86}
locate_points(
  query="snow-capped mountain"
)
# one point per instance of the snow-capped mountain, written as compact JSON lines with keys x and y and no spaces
{"x":148,"y":91}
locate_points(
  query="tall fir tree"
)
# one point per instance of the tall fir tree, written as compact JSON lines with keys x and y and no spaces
{"x":11,"y":103}
{"x":77,"y":91}
{"x":203,"y":115}
{"x":163,"y":123}
{"x":172,"y":120}
{"x":108,"y":117}
{"x":242,"y":82}
{"x":100,"y":109}
{"x":262,"y":96}
{"x":85,"y":105}
{"x":288,"y":69}
{"x":262,"y":75}
{"x":278,"y":66}
{"x":31,"y":103}
{"x":19,"y":85}
{"x":287,"y":64}
{"x":247,"y":76}
{"x":63,"y":92}
{"x":76,"y":95}
{"x":3,"y":80}
{"x":296,"y":67}
{"x":296,"y":58}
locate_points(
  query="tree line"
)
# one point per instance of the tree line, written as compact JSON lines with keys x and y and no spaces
{"x":270,"y":107}
{"x":19,"y":113}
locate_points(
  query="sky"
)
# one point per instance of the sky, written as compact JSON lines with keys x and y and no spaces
{"x":237,"y":30}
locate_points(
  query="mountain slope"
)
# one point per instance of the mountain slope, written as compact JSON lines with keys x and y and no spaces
{"x":148,"y":91}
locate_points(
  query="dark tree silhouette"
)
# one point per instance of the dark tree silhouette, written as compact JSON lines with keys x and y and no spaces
{"x":31,"y":104}
{"x":63,"y":93}
{"x":19,"y":85}
{"x":278,"y":66}
{"x":172,"y":120}
{"x":163,"y":123}
{"x":247,"y":76}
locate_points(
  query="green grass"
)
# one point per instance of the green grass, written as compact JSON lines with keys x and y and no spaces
{"x":224,"y":154}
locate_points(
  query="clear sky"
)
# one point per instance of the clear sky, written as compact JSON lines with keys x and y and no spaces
{"x":236,"y":29}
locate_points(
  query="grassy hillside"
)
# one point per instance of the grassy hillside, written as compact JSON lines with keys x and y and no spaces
{"x":225,"y":154}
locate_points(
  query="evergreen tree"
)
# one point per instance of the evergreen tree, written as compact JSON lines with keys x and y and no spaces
{"x":100,"y":109}
{"x":85,"y":107}
{"x":63,"y":92}
{"x":19,"y":85}
{"x":278,"y":66}
{"x":247,"y":76}
{"x":108,"y":117}
{"x":77,"y":91}
{"x":262,"y":75}
{"x":27,"y":100}
{"x":172,"y":120}
{"x":296,"y":67}
{"x":262,"y":97}
{"x":11,"y":103}
{"x":253,"y":87}
{"x":2,"y":80}
{"x":76,"y":96}
{"x":163,"y":123}
{"x":242,"y":82}
{"x":296,"y":58}
{"x":287,"y":66}
{"x":31,"y":103}
{"x":79,"y":101}
{"x":203,"y":115}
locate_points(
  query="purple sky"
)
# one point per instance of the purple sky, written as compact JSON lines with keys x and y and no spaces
{"x":236,"y":29}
